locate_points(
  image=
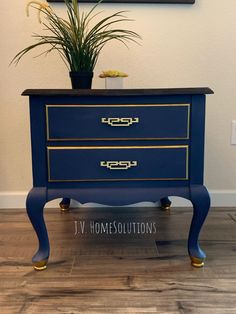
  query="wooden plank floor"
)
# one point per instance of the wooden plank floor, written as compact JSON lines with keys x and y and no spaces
{"x":126,"y":273}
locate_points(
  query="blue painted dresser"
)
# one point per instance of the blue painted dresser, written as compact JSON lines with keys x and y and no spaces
{"x":117,"y":147}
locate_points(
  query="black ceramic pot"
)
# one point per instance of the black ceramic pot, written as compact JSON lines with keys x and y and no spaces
{"x":81,"y":80}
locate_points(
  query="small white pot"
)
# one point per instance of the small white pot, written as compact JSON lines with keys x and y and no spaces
{"x":114,"y":82}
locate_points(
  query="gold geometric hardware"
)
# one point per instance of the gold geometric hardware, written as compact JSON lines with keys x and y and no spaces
{"x":120,"y":121}
{"x":118,"y":165}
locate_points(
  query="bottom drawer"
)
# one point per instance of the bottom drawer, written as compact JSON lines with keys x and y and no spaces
{"x":117,"y":163}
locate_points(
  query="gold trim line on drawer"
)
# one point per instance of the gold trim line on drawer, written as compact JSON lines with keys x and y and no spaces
{"x":114,"y":147}
{"x":122,"y":105}
{"x":187,"y":158}
{"x":119,"y":139}
{"x":142,"y":179}
{"x":117,"y":147}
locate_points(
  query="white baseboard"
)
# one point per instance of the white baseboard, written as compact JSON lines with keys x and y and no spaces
{"x":219,"y":198}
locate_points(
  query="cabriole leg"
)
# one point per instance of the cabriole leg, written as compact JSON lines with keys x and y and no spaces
{"x":35,"y":202}
{"x":65,"y":204}
{"x":165,"y":203}
{"x":201,"y":203}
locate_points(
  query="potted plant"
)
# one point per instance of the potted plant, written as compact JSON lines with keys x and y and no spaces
{"x":113,"y":79}
{"x":78,"y":39}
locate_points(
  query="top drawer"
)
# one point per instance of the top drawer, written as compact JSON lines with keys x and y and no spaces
{"x":117,"y":122}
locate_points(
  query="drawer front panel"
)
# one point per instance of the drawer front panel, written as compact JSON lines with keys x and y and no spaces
{"x":117,"y":163}
{"x":117,"y":122}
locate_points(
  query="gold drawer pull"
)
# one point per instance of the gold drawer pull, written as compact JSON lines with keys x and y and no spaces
{"x":118,"y":165}
{"x":120,"y":121}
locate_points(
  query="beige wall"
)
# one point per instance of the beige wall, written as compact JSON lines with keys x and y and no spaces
{"x":183,"y":45}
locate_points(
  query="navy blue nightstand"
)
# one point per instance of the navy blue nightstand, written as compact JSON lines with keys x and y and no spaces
{"x":117,"y":147}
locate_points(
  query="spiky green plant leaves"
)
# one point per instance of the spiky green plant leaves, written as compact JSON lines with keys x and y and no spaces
{"x":77,"y":39}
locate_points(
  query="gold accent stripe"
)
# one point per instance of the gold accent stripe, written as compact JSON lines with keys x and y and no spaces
{"x":118,"y":139}
{"x":47,"y":123}
{"x":122,"y":105}
{"x":49,"y":165}
{"x":187,"y":157}
{"x":142,"y":179}
{"x":113,"y":147}
{"x":118,"y":105}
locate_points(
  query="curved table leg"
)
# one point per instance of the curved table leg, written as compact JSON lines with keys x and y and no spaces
{"x":35,"y":202}
{"x":165,"y":203}
{"x":201,"y":203}
{"x":65,"y":204}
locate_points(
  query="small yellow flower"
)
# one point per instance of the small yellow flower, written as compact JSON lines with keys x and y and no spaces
{"x":112,"y":73}
{"x":42,"y":6}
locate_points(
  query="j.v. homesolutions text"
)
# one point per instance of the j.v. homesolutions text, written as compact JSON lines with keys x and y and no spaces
{"x":114,"y":227}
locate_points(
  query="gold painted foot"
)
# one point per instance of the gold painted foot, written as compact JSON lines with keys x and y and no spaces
{"x":64,"y":207}
{"x":40,"y":265}
{"x":165,"y":204}
{"x":197,"y":262}
{"x":165,"y":207}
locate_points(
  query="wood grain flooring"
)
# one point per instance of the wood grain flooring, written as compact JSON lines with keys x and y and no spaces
{"x":125,"y":273}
